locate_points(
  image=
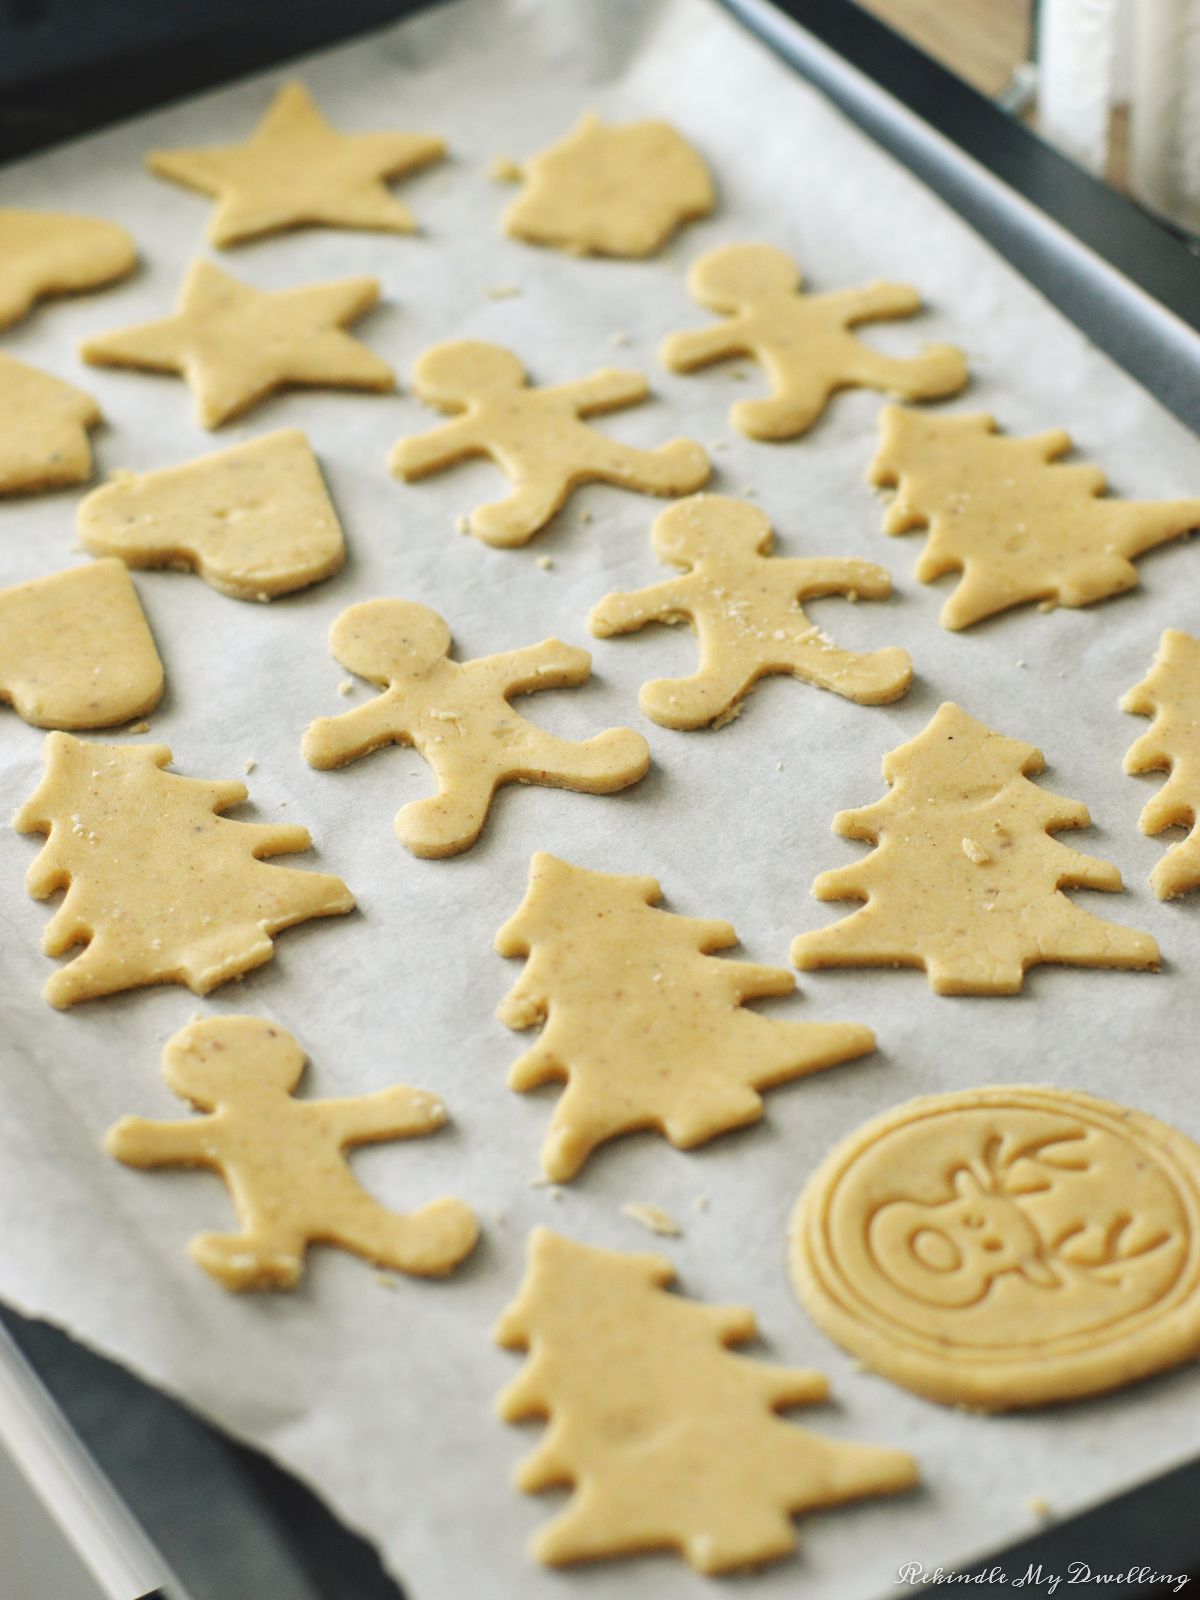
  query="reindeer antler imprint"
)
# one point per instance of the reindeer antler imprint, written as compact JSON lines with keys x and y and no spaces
{"x":968,"y":1245}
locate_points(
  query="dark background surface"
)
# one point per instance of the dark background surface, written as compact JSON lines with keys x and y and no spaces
{"x":233,"y":1526}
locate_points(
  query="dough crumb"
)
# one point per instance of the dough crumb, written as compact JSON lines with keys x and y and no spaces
{"x":585,"y":516}
{"x":1047,"y":605}
{"x":503,"y":169}
{"x":653,"y":1218}
{"x":1040,"y":1506}
{"x":859,"y":1366}
{"x":975,"y":852}
{"x":619,"y":339}
{"x":1020,"y":663}
{"x":250,"y":764}
{"x":385,"y":1280}
{"x":719,"y":444}
{"x":503,"y":291}
{"x":545,"y":563}
{"x":346,"y":686}
{"x":462,"y":524}
{"x":140,"y":727}
{"x":702,"y":1202}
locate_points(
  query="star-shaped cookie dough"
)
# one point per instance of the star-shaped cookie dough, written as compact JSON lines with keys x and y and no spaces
{"x":235,"y":345}
{"x":295,"y":169}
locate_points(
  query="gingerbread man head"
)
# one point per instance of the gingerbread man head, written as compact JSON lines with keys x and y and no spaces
{"x":206,"y":1063}
{"x":709,"y":527}
{"x":737,"y":276}
{"x":390,"y":641}
{"x":452,"y":376}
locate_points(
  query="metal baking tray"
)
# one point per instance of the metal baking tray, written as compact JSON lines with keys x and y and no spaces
{"x":150,"y":1502}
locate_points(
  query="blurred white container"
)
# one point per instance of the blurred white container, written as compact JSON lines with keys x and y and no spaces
{"x":1094,"y":54}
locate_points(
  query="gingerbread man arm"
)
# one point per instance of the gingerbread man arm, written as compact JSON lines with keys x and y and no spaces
{"x":141,"y":1142}
{"x":606,"y":390}
{"x":548,"y":665}
{"x":629,"y":611}
{"x":396,"y":1113}
{"x":333,"y":741}
{"x":700,"y":347}
{"x":422,"y":453}
{"x":874,"y":302}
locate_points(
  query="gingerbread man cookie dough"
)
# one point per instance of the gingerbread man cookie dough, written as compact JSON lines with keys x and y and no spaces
{"x":44,"y":436}
{"x":1006,"y":1247}
{"x":295,"y":169}
{"x":255,"y":521}
{"x":536,"y":436}
{"x":76,"y":650}
{"x":44,"y":253}
{"x":746,"y":607}
{"x":235,"y":345}
{"x":610,"y":191}
{"x":457,"y":716}
{"x":803,"y":341}
{"x":283,"y":1159}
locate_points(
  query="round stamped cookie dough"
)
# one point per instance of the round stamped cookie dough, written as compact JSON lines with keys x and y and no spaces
{"x":1006,"y":1247}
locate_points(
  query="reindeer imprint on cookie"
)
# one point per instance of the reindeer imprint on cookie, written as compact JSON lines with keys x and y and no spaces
{"x":1006,"y":1246}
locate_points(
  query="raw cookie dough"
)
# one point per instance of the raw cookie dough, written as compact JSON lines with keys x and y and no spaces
{"x":255,"y":521}
{"x":44,"y":438}
{"x":964,"y":880}
{"x":803,"y":341}
{"x":1006,"y":1247}
{"x":283,"y":1160}
{"x":76,"y":650}
{"x":1171,"y":695}
{"x":235,"y":345}
{"x":296,"y":169}
{"x":456,"y":714}
{"x":45,"y":253}
{"x":669,"y":1439}
{"x":535,"y":436}
{"x":1014,"y":522}
{"x":610,"y":190}
{"x":646,"y":1029}
{"x":747,"y":610}
{"x":160,"y":888}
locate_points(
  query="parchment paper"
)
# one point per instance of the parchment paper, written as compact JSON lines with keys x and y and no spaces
{"x":381,"y":1397}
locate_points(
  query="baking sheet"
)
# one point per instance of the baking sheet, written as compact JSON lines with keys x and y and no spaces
{"x":380,"y":1396}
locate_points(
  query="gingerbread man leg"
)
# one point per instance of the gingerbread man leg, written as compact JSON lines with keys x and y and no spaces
{"x":426,"y":1243}
{"x":695,"y":702}
{"x":938,"y":371}
{"x":259,"y":1258}
{"x":799,"y":396}
{"x":451,"y":820}
{"x":872,"y":679}
{"x":680,"y":467}
{"x":514,"y":520}
{"x":601,"y":765}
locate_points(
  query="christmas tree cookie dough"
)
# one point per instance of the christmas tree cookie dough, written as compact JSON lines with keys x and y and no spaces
{"x":44,"y":438}
{"x":1006,"y":1247}
{"x":1171,"y":695}
{"x":746,"y":607}
{"x":670,"y":1439}
{"x":255,"y":521}
{"x":1006,"y":514}
{"x":76,"y":650}
{"x":283,"y":1159}
{"x":643,"y":1025}
{"x":235,"y":345}
{"x":802,"y":341}
{"x":457,"y":716}
{"x":296,"y":169}
{"x":610,"y":190}
{"x":965,"y":880}
{"x":160,"y":887}
{"x":536,"y":436}
{"x":44,"y":253}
